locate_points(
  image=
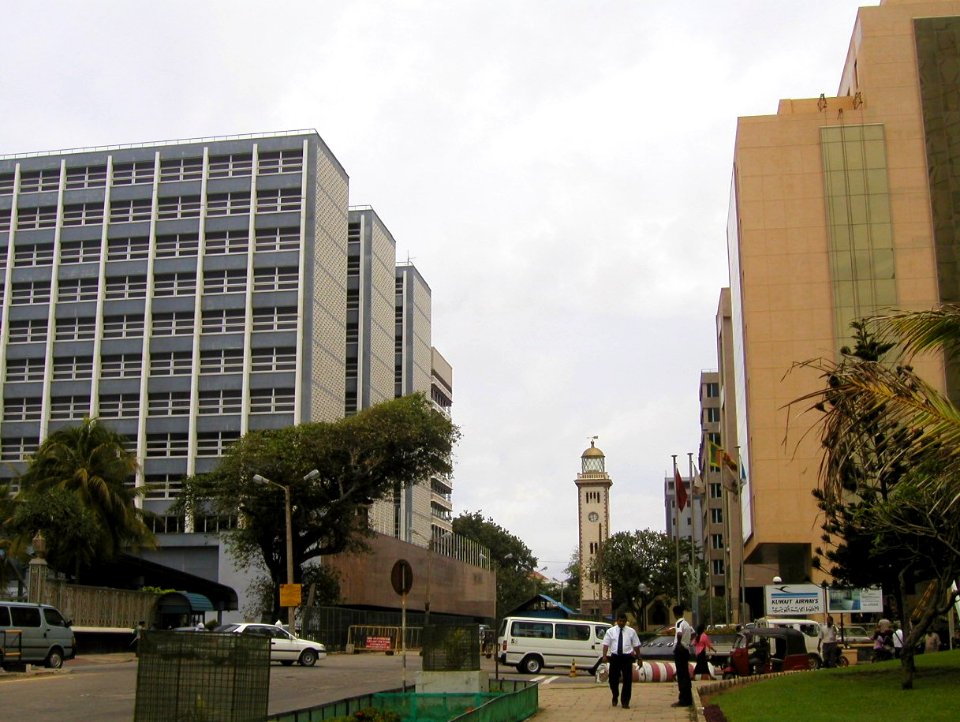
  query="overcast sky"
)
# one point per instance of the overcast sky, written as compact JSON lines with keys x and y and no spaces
{"x":559,"y":172}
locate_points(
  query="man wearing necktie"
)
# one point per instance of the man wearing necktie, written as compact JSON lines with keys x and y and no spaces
{"x":625,"y":643}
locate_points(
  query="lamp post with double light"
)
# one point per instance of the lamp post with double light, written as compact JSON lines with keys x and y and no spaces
{"x":288,"y":512}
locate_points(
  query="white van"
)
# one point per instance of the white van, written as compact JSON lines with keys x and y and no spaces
{"x":34,"y":634}
{"x":811,"y":634}
{"x":532,"y":643}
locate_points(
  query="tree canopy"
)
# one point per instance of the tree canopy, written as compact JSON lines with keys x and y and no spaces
{"x":77,"y":489}
{"x":512,"y":559}
{"x":357,"y":460}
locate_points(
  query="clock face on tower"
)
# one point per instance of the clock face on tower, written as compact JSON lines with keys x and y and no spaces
{"x":593,"y":516}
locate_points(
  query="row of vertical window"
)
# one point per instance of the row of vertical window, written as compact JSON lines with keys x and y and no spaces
{"x":166,"y":403}
{"x":174,"y":245}
{"x":184,"y":283}
{"x":276,"y":200}
{"x":177,"y":323}
{"x":178,"y":169}
{"x":168,"y":363}
{"x":159,"y":446}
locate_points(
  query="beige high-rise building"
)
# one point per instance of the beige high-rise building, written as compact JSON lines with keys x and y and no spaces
{"x":841,"y":207}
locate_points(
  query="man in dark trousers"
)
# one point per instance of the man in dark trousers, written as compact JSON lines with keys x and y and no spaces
{"x":622,"y":643}
{"x":681,"y":658}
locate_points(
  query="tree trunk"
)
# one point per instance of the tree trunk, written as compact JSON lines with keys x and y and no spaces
{"x":907,"y":662}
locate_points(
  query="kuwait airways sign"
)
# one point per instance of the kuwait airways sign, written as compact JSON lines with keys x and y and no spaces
{"x":785,"y":600}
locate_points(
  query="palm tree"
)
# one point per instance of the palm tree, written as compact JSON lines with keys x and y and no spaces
{"x":91,"y":462}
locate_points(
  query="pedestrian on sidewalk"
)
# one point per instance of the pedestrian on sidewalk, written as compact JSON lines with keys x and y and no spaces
{"x":681,"y":658}
{"x":623,"y":645}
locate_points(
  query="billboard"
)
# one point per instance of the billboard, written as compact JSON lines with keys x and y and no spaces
{"x":789,"y":600}
{"x":844,"y":601}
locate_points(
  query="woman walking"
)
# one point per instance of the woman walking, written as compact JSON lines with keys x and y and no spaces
{"x":700,"y":646}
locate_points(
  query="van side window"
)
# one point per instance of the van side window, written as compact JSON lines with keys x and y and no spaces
{"x":25,"y":616}
{"x":537,"y":630}
{"x":4,"y":617}
{"x":54,"y":618}
{"x":601,"y":631}
{"x":578,"y":632}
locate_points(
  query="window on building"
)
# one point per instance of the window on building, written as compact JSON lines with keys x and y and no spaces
{"x":228,"y":204}
{"x":174,"y":207}
{"x":712,"y":390}
{"x":75,"y":329}
{"x":163,"y":445}
{"x":128,"y":249}
{"x":176,"y":323}
{"x":272,"y":401}
{"x":94,"y":176}
{"x":22,"y":409}
{"x":18,"y":448}
{"x":716,"y":491}
{"x":177,"y":245}
{"x":716,"y":516}
{"x":278,"y":239}
{"x":169,"y":403}
{"x":33,"y":255}
{"x":133,"y":173}
{"x":28,"y":330}
{"x":35,"y":218}
{"x":119,"y":366}
{"x":25,"y":369}
{"x":283,"y":318}
{"x":33,"y":181}
{"x":711,"y":415}
{"x":353,"y":332}
{"x":181,"y":169}
{"x":171,"y":363}
{"x":30,"y":292}
{"x":222,"y":242}
{"x":717,"y":566}
{"x":72,"y":290}
{"x":175,"y":284}
{"x":224,"y":320}
{"x":276,"y":279}
{"x":69,"y":407}
{"x":716,"y":541}
{"x":221,"y":361}
{"x":87,"y":251}
{"x":163,"y":486}
{"x":278,"y":200}
{"x":121,"y":288}
{"x":119,"y":406}
{"x":128,"y":325}
{"x":210,"y":524}
{"x":167,"y":524}
{"x":230,"y":166}
{"x":72,"y":368}
{"x":215,"y":443}
{"x":220,"y":401}
{"x":280,"y":161}
{"x":7,"y":184}
{"x":232,"y":280}
{"x":275,"y":359}
{"x":130,"y":211}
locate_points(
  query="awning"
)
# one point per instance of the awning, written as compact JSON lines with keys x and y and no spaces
{"x":183,"y":603}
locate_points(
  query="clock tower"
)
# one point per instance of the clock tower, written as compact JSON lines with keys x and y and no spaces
{"x":593,"y":504}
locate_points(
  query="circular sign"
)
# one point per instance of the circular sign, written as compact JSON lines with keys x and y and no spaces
{"x":401,"y":577}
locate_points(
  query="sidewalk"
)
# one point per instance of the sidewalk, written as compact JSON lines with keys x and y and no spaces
{"x":577,"y":702}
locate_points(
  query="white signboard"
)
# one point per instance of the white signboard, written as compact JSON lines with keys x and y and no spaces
{"x":791,"y":600}
{"x":845,"y":601}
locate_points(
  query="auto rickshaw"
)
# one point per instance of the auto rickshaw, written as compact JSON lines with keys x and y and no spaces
{"x":762,"y":650}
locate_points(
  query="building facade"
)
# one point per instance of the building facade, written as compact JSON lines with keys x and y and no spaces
{"x":841,"y":207}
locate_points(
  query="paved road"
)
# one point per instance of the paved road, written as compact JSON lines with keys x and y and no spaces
{"x":103,"y":687}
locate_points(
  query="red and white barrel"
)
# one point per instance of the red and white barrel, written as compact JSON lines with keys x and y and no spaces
{"x":654,"y":671}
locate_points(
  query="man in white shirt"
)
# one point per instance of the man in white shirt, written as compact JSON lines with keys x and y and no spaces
{"x":828,"y":643}
{"x":623,"y":645}
{"x":681,"y":658}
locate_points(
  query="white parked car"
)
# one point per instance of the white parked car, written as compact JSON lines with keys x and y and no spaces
{"x":285,"y":647}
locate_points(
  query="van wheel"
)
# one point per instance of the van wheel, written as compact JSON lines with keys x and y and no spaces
{"x":814,"y":661}
{"x":531,"y":664}
{"x":55,"y":658}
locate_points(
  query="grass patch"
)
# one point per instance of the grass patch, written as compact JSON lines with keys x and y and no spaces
{"x":868,"y":692}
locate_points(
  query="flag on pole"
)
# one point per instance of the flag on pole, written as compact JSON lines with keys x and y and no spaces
{"x":729,"y":471}
{"x":681,"y":489}
{"x":699,"y":483}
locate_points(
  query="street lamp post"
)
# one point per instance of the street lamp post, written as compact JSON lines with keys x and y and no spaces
{"x":288,"y":513}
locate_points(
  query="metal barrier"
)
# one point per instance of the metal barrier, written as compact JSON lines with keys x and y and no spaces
{"x":451,"y":648}
{"x":373,"y":638}
{"x":202,"y":676}
{"x":340,"y":708}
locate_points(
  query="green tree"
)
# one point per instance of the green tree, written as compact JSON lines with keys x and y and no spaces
{"x":513,"y":561}
{"x":639,"y":566}
{"x":91,"y":463}
{"x":357,"y":460}
{"x":70,"y":529}
{"x":888,"y":484}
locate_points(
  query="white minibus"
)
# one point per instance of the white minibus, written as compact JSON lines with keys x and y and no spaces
{"x":532,"y":643}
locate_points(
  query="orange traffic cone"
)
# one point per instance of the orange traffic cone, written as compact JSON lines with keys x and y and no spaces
{"x":573,"y":668}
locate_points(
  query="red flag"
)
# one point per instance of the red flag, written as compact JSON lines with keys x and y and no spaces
{"x":681,"y":489}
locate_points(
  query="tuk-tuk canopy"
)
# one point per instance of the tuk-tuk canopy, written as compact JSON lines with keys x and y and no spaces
{"x":782,"y":641}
